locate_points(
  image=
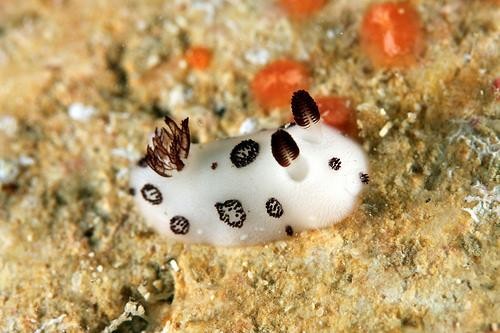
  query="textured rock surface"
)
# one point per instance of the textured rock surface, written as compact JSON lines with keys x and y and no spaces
{"x":83,"y":83}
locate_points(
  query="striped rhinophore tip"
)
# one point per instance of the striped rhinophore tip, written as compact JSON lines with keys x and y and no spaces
{"x":284,"y":148}
{"x":304,"y":109}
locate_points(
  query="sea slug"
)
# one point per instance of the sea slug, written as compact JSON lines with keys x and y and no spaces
{"x":250,"y":189}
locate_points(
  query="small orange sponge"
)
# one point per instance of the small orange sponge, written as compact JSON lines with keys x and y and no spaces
{"x":274,"y":84}
{"x":391,"y":34}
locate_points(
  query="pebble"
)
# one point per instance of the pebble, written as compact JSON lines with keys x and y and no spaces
{"x":9,"y":170}
{"x":257,"y":56}
{"x":8,"y":125}
{"x":249,"y":126}
{"x":81,"y":112}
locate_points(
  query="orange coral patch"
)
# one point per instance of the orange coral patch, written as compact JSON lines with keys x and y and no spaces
{"x":301,"y":9}
{"x":338,"y":112}
{"x":391,"y":34}
{"x":198,"y":57}
{"x":274,"y":84}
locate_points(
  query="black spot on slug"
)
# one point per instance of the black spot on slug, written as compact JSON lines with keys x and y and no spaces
{"x":143,"y":162}
{"x":289,"y":230}
{"x":304,"y":109}
{"x":152,"y":194}
{"x":179,"y":225}
{"x":231,"y":212}
{"x":335,"y":163}
{"x":274,"y":208}
{"x":214,"y":165}
{"x":365,"y":179}
{"x":244,"y":153}
{"x":131,"y":191}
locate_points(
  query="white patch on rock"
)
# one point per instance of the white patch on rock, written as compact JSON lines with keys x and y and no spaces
{"x":383,"y":132}
{"x":9,"y":170}
{"x":173,"y":265}
{"x":176,"y":97}
{"x":249,"y":126}
{"x":52,"y":322}
{"x":208,"y":7}
{"x":128,"y":153}
{"x":487,"y":203}
{"x":482,"y":146}
{"x":257,"y":56}
{"x":25,"y":160}
{"x":8,"y":125}
{"x":81,"y":112}
{"x":132,"y":309}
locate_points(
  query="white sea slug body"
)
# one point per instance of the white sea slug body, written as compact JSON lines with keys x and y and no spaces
{"x":250,"y":189}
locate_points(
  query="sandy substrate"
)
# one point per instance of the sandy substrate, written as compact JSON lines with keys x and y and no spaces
{"x":83,"y":84}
